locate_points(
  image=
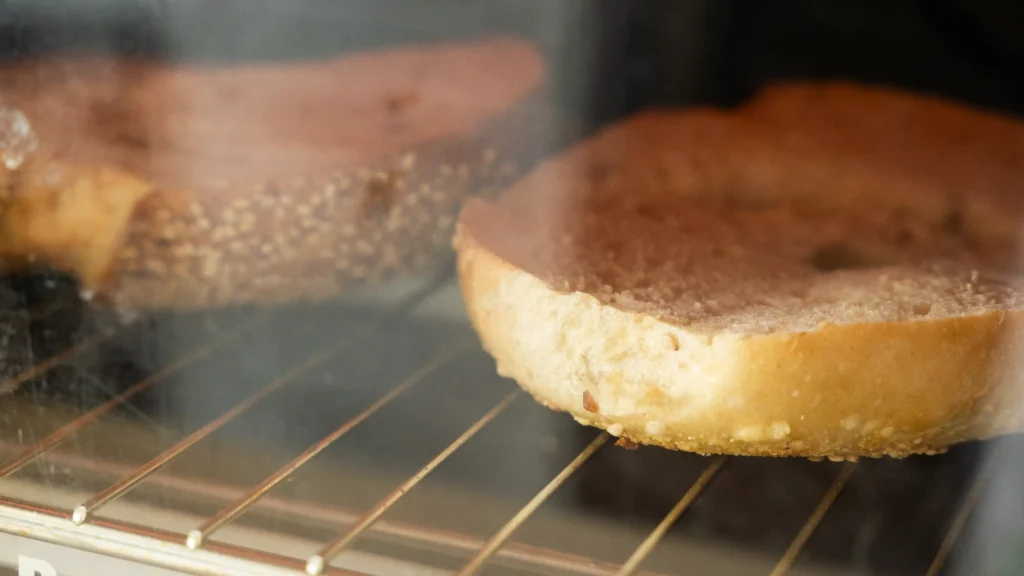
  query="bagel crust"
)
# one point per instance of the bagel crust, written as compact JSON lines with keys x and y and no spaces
{"x":840,"y":391}
{"x":682,"y":295}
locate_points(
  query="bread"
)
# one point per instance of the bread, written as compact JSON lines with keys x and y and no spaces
{"x":161,"y":185}
{"x":825,"y":271}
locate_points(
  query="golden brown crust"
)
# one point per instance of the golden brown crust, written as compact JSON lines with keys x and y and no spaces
{"x":842,"y":391}
{"x":270,"y":182}
{"x":764,"y":281}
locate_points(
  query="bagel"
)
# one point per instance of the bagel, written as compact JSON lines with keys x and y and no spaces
{"x":188,"y":185}
{"x":828,"y":270}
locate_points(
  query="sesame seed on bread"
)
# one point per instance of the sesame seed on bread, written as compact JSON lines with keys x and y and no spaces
{"x":173,"y":185}
{"x":827,"y":271}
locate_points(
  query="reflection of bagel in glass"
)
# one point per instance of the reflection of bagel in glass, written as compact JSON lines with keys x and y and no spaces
{"x":186,"y":185}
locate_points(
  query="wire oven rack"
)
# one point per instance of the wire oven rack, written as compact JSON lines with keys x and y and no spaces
{"x":372,"y":437}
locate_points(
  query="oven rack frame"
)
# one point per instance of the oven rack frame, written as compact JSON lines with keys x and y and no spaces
{"x":192,"y":552}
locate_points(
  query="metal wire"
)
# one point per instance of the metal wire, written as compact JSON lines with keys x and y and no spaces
{"x":65,"y":431}
{"x":131,"y":477}
{"x":44,"y":366}
{"x":492,"y":545}
{"x":230,"y":512}
{"x":424,"y":537}
{"x":119,"y":488}
{"x":145,"y":544}
{"x":316,"y":563}
{"x":964,"y":512}
{"x":645,"y":547}
{"x":786,"y":562}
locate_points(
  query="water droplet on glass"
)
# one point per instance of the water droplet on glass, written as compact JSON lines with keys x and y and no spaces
{"x":17,"y":140}
{"x":126,"y":316}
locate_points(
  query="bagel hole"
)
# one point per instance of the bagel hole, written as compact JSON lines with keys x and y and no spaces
{"x":844,"y":256}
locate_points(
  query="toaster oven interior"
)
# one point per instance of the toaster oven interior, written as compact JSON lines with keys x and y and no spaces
{"x":371,"y":435}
